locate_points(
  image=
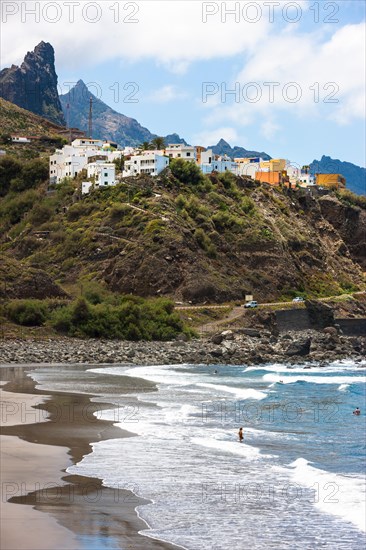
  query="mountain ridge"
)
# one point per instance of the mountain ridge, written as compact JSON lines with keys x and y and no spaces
{"x":223,"y":148}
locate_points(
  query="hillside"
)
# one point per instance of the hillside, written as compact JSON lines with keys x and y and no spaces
{"x":185,"y":236}
{"x":355,"y":175}
{"x":15,"y":120}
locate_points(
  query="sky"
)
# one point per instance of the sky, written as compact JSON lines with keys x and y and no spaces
{"x":283,"y":77}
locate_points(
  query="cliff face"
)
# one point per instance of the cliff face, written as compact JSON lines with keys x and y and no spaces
{"x":33,"y":85}
{"x":350,"y":223}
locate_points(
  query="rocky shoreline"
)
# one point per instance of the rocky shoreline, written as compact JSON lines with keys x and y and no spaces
{"x":243,"y":346}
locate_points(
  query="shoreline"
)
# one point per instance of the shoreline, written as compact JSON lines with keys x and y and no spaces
{"x":244,"y":346}
{"x":39,"y":441}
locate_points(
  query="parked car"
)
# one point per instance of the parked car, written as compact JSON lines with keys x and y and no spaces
{"x":298,"y":299}
{"x":252,"y":303}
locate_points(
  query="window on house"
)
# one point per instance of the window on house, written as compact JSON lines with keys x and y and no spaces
{"x":188,"y":154}
{"x":106,"y":174}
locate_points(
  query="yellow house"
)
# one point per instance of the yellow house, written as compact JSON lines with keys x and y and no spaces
{"x":273,"y":165}
{"x":331,"y":180}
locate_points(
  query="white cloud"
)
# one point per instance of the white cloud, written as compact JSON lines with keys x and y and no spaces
{"x":211,"y":137}
{"x":269,"y":129}
{"x":170,"y":33}
{"x":322,"y":72}
{"x":166,"y":94}
{"x":327,"y":79}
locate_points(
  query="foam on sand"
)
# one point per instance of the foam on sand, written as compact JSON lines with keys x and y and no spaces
{"x":336,"y":494}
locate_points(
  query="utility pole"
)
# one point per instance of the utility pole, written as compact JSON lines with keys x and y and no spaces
{"x":68,"y":120}
{"x":90,"y":117}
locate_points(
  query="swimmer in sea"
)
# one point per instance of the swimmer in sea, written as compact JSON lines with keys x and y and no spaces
{"x":357,"y":411}
{"x":240,"y":433}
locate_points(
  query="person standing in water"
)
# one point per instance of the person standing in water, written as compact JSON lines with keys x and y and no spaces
{"x":240,"y":433}
{"x":357,"y":411}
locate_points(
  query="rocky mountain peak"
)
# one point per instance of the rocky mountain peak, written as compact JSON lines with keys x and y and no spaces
{"x":33,"y":85}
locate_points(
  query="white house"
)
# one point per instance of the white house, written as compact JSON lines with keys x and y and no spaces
{"x":306,"y":180}
{"x":215,"y":163}
{"x":179,"y":150}
{"x":71,"y":159}
{"x":147,"y":163}
{"x":87,"y":143}
{"x":20,"y":139}
{"x":103,"y":174}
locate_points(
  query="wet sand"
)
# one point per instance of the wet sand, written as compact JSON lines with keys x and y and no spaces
{"x":42,"y":507}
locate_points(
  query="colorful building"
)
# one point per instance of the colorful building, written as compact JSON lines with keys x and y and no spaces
{"x":273,"y":165}
{"x":336,"y":181}
{"x":273,"y":177}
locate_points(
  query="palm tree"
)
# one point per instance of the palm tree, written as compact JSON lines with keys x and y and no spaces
{"x":145,"y":146}
{"x":158,"y":143}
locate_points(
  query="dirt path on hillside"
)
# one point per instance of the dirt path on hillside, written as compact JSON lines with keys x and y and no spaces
{"x":215,"y":326}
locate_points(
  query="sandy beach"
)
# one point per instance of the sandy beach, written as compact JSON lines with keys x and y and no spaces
{"x":43,"y":508}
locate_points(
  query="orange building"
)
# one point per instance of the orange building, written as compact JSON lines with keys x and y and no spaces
{"x":336,"y":181}
{"x":273,"y":177}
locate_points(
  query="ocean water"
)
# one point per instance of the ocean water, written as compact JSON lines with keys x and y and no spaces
{"x":297,"y":481}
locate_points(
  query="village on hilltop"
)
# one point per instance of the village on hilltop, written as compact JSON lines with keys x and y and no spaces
{"x":98,"y":159}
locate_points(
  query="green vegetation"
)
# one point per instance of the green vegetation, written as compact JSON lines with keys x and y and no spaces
{"x":352,"y":199}
{"x":102,"y":316}
{"x":189,"y":236}
{"x":31,"y":313}
{"x":186,"y":172}
{"x":133,"y":319}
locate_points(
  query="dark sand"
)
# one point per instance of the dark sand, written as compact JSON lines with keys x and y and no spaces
{"x":64,"y":511}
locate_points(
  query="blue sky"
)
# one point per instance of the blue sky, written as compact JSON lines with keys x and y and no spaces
{"x":310,"y":55}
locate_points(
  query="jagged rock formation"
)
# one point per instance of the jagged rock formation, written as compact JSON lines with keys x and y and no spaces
{"x":33,"y":85}
{"x":223,"y":148}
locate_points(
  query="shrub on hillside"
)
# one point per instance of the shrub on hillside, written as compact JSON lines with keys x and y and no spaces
{"x":14,"y":209}
{"x":32,"y":313}
{"x":352,"y":199}
{"x":186,"y":172}
{"x":133,"y":319}
{"x":9,"y":169}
